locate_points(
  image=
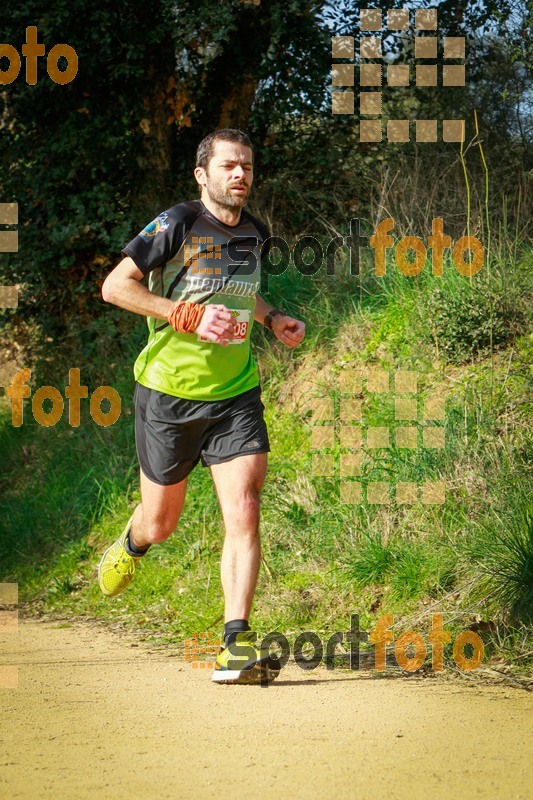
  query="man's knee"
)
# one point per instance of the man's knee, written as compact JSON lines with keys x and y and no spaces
{"x":247,"y":505}
{"x":157,"y":530}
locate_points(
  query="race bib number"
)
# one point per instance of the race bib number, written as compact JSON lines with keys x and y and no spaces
{"x":242,"y":318}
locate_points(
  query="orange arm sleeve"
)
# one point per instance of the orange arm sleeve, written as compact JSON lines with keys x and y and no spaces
{"x":185,"y":316}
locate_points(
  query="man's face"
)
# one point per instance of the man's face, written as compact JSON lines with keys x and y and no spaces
{"x":229,"y":175}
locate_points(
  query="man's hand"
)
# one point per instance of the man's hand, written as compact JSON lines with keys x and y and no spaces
{"x":288,"y":330}
{"x":217,"y":324}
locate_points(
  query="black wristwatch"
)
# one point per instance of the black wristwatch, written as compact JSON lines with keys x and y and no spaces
{"x":267,"y":322}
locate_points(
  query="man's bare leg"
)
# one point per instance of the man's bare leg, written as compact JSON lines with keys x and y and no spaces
{"x":157,"y":515}
{"x":154,"y":519}
{"x":238,"y":483}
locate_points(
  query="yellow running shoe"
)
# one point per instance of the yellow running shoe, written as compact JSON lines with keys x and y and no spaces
{"x":116,"y":568}
{"x":243,"y":662}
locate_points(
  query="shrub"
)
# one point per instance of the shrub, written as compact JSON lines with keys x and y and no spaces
{"x":474,"y":320}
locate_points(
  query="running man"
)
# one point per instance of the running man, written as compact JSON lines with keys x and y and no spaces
{"x":197,"y":395}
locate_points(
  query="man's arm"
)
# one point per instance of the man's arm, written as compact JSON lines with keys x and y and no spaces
{"x":261,"y":309}
{"x":288,"y":330}
{"x":122,"y":288}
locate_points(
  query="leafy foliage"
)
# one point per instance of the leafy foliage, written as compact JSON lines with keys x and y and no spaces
{"x":91,"y":161}
{"x":473,"y":320}
{"x":505,"y":552}
{"x":75,"y":157}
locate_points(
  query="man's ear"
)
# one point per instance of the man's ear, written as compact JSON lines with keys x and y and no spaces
{"x":201,"y":176}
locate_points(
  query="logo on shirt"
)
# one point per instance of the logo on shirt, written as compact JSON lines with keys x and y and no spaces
{"x":159,"y":225}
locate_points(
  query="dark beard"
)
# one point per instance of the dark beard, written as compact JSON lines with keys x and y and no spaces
{"x":224,"y":199}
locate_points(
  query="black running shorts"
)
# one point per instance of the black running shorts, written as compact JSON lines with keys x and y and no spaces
{"x":172,"y":434}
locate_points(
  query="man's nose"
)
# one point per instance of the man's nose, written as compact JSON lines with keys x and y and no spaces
{"x":238,"y":173}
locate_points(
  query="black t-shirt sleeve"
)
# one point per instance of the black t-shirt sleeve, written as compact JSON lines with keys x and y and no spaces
{"x":265,"y":236}
{"x":161,"y":239}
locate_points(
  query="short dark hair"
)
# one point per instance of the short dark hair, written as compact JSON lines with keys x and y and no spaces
{"x":206,"y":148}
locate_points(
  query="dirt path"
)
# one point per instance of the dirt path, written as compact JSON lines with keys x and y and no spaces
{"x":94,"y":717}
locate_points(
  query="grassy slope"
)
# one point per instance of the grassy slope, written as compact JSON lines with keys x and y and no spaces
{"x":68,"y":492}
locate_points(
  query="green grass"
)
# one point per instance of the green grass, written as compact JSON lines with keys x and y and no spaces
{"x":68,"y":492}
